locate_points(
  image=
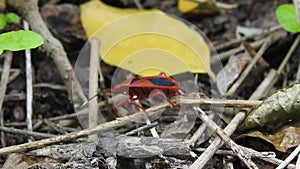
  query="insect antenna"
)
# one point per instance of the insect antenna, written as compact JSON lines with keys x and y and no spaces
{"x":84,"y":103}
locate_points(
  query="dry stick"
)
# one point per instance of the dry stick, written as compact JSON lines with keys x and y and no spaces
{"x":217,"y":143}
{"x":14,"y":97}
{"x":298,"y":74}
{"x":298,"y":162}
{"x":29,"y":10}
{"x":231,"y":153}
{"x":242,"y":155}
{"x":71,"y":136}
{"x":255,"y":45}
{"x":2,"y":5}
{"x":13,"y":74}
{"x":93,"y":86}
{"x":245,"y":73}
{"x":138,"y":4}
{"x":5,"y":76}
{"x":54,"y":126}
{"x":50,"y":86}
{"x":147,"y":126}
{"x":29,"y":92}
{"x":3,"y":85}
{"x":273,"y":75}
{"x":297,"y":9}
{"x":3,"y":142}
{"x":289,"y":158}
{"x":26,"y":133}
{"x":236,"y":41}
{"x":220,"y":102}
{"x":197,"y":135}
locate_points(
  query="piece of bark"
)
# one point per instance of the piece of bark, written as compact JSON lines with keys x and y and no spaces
{"x":123,"y":146}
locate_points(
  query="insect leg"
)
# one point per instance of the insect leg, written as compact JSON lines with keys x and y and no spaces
{"x":159,"y":93}
{"x":122,"y":103}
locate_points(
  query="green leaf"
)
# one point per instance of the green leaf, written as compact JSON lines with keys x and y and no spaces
{"x":279,"y":108}
{"x":2,"y":21}
{"x":20,"y":40}
{"x":12,"y":18}
{"x":286,"y":16}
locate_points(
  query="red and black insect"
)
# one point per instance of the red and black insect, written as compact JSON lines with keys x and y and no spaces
{"x":138,"y":88}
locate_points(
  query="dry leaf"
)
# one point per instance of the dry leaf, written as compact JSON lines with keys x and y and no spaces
{"x":282,"y":140}
{"x":275,"y":110}
{"x":227,"y":76}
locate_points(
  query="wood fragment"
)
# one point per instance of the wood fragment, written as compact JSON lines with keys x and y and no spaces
{"x":147,"y":126}
{"x":238,"y":150}
{"x":123,"y":146}
{"x":272,"y":77}
{"x":217,"y":142}
{"x":26,"y":133}
{"x":245,"y":73}
{"x":54,"y":126}
{"x":29,"y":90}
{"x":145,"y":147}
{"x":5,"y":76}
{"x":297,"y":9}
{"x":3,"y":85}
{"x":244,"y":38}
{"x":153,"y":111}
{"x":93,"y":85}
{"x":217,"y":102}
{"x":289,"y":158}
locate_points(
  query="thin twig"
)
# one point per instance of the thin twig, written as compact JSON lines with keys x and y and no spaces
{"x":93,"y":86}
{"x":54,"y":126}
{"x":217,"y":143}
{"x":216,"y":102}
{"x":255,"y":45}
{"x":3,"y":142}
{"x":138,"y":4}
{"x":147,"y":126}
{"x":13,"y":74}
{"x":297,"y":9}
{"x":14,"y":97}
{"x":3,"y":86}
{"x":242,"y":155}
{"x":50,"y":86}
{"x":29,"y":92}
{"x":5,"y":76}
{"x":153,"y":111}
{"x":298,"y":74}
{"x":245,"y":73}
{"x":289,"y":54}
{"x":197,"y":135}
{"x":26,"y":133}
{"x":289,"y":158}
{"x":298,"y":162}
{"x":272,"y":77}
{"x":252,"y":36}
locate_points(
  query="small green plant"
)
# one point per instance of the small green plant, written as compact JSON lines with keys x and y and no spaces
{"x":17,"y":40}
{"x":8,"y":18}
{"x":286,"y":16}
{"x":20,"y":40}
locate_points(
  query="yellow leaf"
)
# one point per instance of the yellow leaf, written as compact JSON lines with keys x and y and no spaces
{"x":203,"y":6}
{"x":187,"y":6}
{"x":145,"y":42}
